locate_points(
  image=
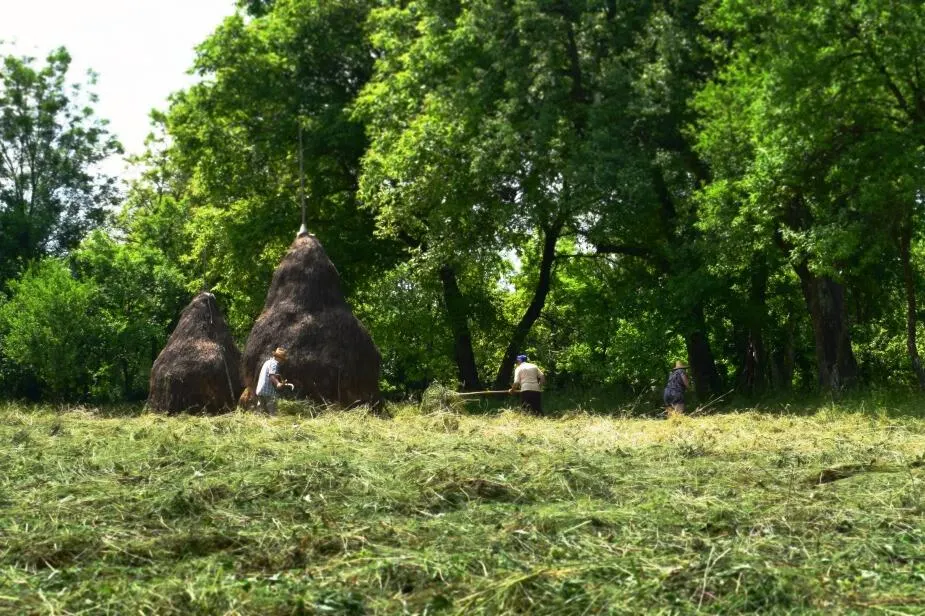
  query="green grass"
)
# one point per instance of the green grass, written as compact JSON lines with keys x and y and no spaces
{"x":443,"y":514}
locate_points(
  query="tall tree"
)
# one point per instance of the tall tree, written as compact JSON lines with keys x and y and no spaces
{"x":812,"y":98}
{"x":511,"y":126}
{"x":291,"y":65}
{"x":665,"y":64}
{"x":50,"y":144}
{"x":138,"y":295}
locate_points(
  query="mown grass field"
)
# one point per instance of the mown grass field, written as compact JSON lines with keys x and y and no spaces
{"x":444,"y":514}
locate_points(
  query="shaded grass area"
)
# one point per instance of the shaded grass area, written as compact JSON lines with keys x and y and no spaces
{"x":454,"y":514}
{"x":647,"y":401}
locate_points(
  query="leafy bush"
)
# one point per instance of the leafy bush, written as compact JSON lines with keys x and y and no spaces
{"x":48,"y":329}
{"x":90,"y":333}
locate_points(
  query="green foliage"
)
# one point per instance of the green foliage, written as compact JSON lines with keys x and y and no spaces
{"x":156,"y":209}
{"x":50,"y":329}
{"x":796,"y":127}
{"x":506,"y":126}
{"x":403,"y":312}
{"x":234,"y":160}
{"x":139,"y":296}
{"x":50,"y":142}
{"x":605,"y":327}
{"x":608,"y":186}
{"x":802,"y":112}
{"x":90,"y":333}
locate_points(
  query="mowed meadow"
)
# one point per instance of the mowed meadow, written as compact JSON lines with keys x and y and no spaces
{"x":821,"y":511}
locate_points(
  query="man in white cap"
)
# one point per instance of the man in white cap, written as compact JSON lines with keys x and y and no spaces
{"x":269,"y":382}
{"x":529,"y":380}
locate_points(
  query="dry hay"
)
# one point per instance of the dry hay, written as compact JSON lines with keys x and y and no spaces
{"x":440,"y":399}
{"x":197,"y":370}
{"x":247,"y":399}
{"x":331,"y":356}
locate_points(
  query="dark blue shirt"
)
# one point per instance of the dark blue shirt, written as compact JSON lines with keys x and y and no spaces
{"x":676,"y":382}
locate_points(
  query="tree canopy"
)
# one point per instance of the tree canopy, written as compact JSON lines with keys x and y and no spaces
{"x":50,"y":142}
{"x":606,"y":186}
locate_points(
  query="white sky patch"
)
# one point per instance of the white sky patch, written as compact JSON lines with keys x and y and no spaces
{"x":506,"y":282}
{"x":141,"y":50}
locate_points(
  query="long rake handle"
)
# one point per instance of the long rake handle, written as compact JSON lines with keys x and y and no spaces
{"x":469,"y":394}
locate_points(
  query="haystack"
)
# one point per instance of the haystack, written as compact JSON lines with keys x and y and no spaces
{"x":332,"y":358}
{"x":198,"y":369}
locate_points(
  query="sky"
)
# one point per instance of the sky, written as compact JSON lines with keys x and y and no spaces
{"x":140,"y":49}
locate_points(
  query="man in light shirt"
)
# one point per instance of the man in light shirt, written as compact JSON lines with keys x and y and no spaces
{"x":529,"y":380}
{"x":269,"y":382}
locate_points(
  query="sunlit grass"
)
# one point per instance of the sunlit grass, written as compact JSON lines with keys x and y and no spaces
{"x":442,"y":513}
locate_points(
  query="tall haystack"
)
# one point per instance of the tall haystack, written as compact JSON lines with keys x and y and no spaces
{"x":332,"y":357}
{"x":198,"y":369}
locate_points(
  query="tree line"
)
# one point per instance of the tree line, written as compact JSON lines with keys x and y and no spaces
{"x":607,"y":185}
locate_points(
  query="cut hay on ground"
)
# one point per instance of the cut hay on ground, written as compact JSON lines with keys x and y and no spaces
{"x":198,"y":369}
{"x":332,"y":358}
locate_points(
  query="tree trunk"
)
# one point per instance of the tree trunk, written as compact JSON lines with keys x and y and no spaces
{"x":753,"y":370}
{"x":700,"y":357}
{"x":752,"y":373}
{"x":905,"y":240}
{"x":127,"y":378}
{"x":836,"y":367}
{"x":699,"y":353}
{"x":458,"y":316}
{"x":783,"y":358}
{"x":506,"y":369}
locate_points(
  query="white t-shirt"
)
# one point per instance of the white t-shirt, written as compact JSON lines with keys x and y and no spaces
{"x":264,"y":384}
{"x":529,"y":377}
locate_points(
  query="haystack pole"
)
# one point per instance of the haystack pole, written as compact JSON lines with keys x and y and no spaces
{"x":197,"y":370}
{"x":331,"y":356}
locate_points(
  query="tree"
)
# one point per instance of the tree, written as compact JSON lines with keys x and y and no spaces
{"x":50,"y":143}
{"x":405,"y":315}
{"x":504,"y":126}
{"x":90,"y":328}
{"x":292,"y":67}
{"x":47,"y":327}
{"x":656,"y":217}
{"x":138,"y":296}
{"x":798,"y":127}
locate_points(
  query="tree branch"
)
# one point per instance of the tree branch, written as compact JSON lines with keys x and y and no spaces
{"x":890,"y":84}
{"x":642,"y":252}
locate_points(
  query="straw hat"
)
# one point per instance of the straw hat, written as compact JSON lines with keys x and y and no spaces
{"x":280,"y":353}
{"x":680,"y":364}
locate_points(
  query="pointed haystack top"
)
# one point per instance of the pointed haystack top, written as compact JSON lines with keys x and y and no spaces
{"x":332,"y":357}
{"x":198,"y":369}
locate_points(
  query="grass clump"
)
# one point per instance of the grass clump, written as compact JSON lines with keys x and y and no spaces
{"x":347,"y":513}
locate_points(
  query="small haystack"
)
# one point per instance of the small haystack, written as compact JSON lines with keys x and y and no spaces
{"x":332,"y":358}
{"x":198,"y":369}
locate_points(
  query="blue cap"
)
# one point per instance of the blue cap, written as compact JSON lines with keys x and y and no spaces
{"x":521,"y":358}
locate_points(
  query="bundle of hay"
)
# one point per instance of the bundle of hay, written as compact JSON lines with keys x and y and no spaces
{"x":198,"y":369}
{"x":331,"y":356}
{"x":440,"y":399}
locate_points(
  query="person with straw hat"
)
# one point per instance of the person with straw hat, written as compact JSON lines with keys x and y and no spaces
{"x":269,"y":382}
{"x":674,"y":390}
